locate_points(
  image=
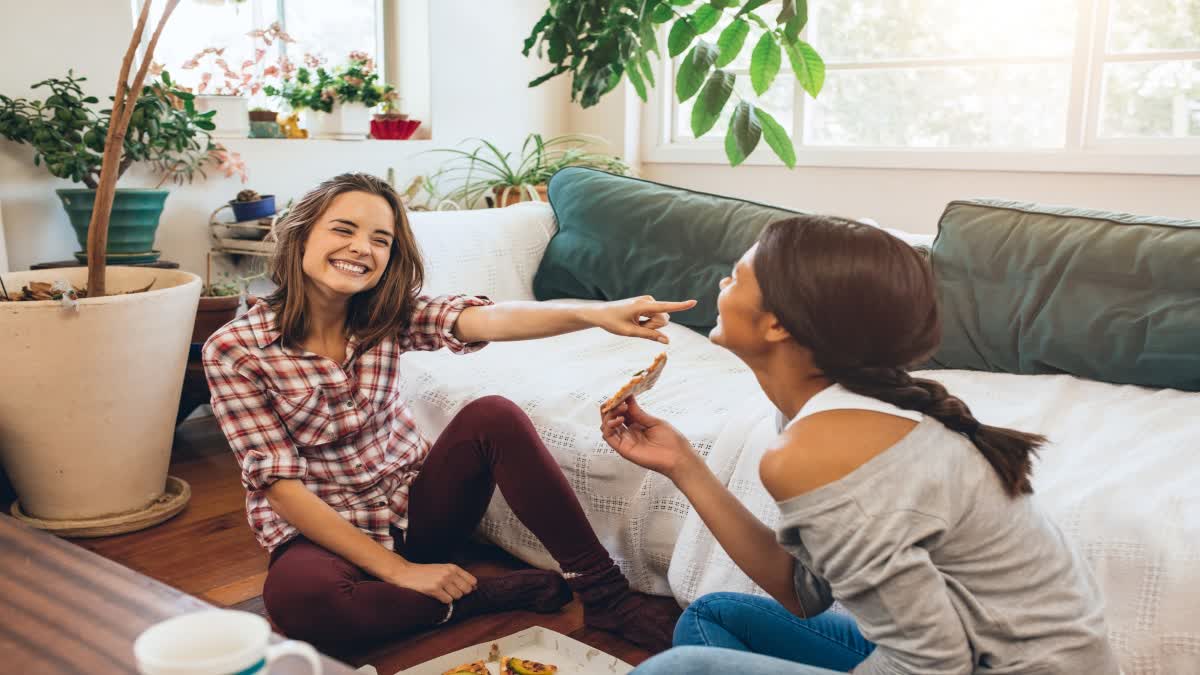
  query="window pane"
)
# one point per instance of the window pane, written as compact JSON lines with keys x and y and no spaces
{"x":779,"y":102}
{"x":1144,"y":25}
{"x":982,"y":106}
{"x":331,"y":30}
{"x":867,"y":30}
{"x":1151,"y":100}
{"x":198,"y":25}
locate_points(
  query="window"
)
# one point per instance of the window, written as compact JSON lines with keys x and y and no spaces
{"x":1087,"y":85}
{"x":326,"y":30}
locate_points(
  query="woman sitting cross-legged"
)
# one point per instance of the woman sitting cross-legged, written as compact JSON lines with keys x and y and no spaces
{"x":893,"y":499}
{"x":359,"y":512}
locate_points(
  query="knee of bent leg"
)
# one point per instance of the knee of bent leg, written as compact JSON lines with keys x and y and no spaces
{"x":705,"y":610}
{"x":487,"y":408}
{"x":302,"y":611}
{"x":709,"y":607}
{"x":678,"y":661}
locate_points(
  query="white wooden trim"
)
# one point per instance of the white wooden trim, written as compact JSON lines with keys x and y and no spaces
{"x":1095,"y":74}
{"x":1183,"y":159}
{"x":1077,"y":102}
{"x":964,"y":62}
{"x":1163,"y":55}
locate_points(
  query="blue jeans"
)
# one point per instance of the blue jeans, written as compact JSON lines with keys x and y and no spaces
{"x":748,"y":623}
{"x":718,"y":661}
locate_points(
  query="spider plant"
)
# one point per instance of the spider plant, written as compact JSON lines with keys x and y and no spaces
{"x":484,"y":170}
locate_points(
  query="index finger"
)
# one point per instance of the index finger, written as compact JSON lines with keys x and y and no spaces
{"x":659,"y":306}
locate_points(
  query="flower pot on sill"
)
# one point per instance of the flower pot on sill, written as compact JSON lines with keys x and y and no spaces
{"x":393,"y":128}
{"x":263,"y":116}
{"x":263,"y":207}
{"x":507,"y":195}
{"x":131,"y":226}
{"x":346,"y":122}
{"x":90,"y":398}
{"x":232,"y":118}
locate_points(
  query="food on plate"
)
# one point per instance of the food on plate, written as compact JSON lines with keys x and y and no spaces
{"x":476,"y":668}
{"x":512,"y":665}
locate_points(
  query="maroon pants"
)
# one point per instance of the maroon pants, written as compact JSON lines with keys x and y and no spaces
{"x":315,"y":595}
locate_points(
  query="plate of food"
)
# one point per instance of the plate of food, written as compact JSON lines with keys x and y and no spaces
{"x":533,"y":651}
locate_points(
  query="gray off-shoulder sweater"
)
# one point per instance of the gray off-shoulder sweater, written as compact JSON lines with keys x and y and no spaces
{"x":944,"y":571}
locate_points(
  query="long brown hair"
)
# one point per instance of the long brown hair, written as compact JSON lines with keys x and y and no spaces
{"x":373,"y":315}
{"x":865,"y":304}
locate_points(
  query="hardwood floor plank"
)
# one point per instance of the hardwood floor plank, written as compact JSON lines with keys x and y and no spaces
{"x":237,"y":591}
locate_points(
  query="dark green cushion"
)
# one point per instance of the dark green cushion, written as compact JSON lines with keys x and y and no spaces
{"x":1027,"y":288}
{"x":620,"y":237}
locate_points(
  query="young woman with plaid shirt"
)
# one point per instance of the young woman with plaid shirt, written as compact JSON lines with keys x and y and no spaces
{"x":358,"y":511}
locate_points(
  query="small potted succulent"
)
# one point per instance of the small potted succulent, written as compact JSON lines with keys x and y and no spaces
{"x":263,"y":123}
{"x":249,"y":205}
{"x":390,"y":123}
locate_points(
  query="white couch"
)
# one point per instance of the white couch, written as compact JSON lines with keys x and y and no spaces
{"x":1120,"y":475}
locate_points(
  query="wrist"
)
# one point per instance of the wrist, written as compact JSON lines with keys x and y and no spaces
{"x":585,"y":316}
{"x":689,"y":473}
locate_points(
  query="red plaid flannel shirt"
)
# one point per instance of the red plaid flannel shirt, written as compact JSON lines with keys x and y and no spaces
{"x":341,"y":429}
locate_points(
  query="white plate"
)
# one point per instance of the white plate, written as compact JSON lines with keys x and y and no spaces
{"x":537,"y":644}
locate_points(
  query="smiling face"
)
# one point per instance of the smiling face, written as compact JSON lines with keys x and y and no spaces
{"x":350,"y":245}
{"x":743,"y":326}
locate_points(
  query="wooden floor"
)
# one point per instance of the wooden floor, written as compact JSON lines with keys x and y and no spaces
{"x":210,"y":552}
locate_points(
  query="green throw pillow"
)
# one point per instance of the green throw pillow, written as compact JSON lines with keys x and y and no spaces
{"x":620,"y":237}
{"x":1027,"y":288}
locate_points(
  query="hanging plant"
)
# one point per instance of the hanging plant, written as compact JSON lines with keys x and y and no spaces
{"x":599,"y":42}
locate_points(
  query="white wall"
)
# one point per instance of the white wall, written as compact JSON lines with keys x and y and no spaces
{"x":479,"y":80}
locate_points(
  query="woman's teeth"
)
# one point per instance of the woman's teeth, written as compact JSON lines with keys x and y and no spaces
{"x":349,"y":267}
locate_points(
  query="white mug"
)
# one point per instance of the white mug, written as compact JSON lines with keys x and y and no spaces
{"x":214,"y":642}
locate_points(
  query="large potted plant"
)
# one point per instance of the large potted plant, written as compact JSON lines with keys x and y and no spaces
{"x":340,"y":99}
{"x":602,"y":42}
{"x":93,"y":374}
{"x":485,"y":174}
{"x":69,"y":136}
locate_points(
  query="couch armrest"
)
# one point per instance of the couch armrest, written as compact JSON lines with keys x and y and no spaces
{"x":492,"y":252}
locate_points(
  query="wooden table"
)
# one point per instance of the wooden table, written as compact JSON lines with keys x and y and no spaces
{"x":64,"y":609}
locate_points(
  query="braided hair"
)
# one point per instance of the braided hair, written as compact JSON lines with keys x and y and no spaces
{"x":865,"y":304}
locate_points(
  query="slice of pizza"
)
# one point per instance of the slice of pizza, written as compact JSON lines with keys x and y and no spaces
{"x":476,"y":668}
{"x":640,"y":383}
{"x":512,"y":665}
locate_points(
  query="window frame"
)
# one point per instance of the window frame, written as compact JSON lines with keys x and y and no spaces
{"x":384,"y":39}
{"x":1083,"y":151}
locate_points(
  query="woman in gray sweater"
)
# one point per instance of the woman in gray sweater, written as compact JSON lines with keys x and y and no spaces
{"x":894,"y":499}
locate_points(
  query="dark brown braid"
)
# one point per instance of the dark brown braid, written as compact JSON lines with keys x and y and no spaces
{"x":1010,"y":452}
{"x":865,"y":303}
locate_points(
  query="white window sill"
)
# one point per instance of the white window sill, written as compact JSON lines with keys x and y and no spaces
{"x":1183,"y":158}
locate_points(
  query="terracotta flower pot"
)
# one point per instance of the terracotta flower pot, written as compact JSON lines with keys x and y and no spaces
{"x":507,"y":195}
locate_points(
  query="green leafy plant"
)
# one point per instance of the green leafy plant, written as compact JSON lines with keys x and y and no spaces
{"x":483,"y":168}
{"x":599,"y":42}
{"x":313,"y":87}
{"x":68,"y":132}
